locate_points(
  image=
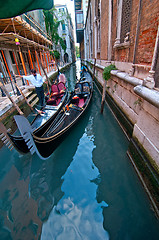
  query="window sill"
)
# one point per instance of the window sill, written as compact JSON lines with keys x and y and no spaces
{"x":122,"y":45}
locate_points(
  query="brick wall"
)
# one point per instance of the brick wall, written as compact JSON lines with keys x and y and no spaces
{"x":148,"y":31}
{"x":147,"y":34}
{"x":104,"y":29}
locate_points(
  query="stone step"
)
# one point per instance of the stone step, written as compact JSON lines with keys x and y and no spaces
{"x":27,"y":93}
{"x":32,"y":97}
{"x":34,"y":102}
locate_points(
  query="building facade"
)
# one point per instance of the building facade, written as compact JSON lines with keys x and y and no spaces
{"x":24,"y":44}
{"x":125,"y":33}
{"x":65,"y":31}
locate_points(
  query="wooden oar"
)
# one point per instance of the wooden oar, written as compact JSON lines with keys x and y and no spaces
{"x":39,"y":111}
{"x":48,"y":81}
{"x":23,"y":96}
{"x":10,"y":98}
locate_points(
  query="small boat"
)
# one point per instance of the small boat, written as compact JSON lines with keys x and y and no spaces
{"x":54,"y":103}
{"x":59,"y":128}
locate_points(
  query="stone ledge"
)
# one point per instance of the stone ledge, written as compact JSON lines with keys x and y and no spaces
{"x":122,"y":45}
{"x":125,"y":76}
{"x":150,"y":95}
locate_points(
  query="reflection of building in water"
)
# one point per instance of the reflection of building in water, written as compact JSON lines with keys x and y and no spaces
{"x":18,"y":211}
{"x":78,"y":214}
{"x":78,"y":68}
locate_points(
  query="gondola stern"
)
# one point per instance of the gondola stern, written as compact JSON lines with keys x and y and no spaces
{"x":26,"y":131}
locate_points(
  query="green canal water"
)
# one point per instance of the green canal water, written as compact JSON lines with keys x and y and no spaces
{"x":86,"y":190}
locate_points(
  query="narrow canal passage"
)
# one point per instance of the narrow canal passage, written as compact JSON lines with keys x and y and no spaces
{"x":87,"y":189}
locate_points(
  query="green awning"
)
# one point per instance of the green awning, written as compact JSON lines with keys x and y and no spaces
{"x":12,"y":8}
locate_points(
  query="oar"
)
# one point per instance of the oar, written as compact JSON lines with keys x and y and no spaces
{"x":48,"y":81}
{"x":23,"y":96}
{"x":39,"y":111}
{"x":10,"y":98}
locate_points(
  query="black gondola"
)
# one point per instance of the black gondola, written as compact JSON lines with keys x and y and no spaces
{"x":42,"y":121}
{"x":45,"y":145}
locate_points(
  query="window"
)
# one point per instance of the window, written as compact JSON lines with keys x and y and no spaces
{"x":123,"y":21}
{"x":79,"y":19}
{"x":63,"y":26}
{"x":98,"y":15}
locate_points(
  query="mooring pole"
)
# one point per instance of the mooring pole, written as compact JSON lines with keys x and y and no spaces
{"x":94,"y":68}
{"x":103,"y":97}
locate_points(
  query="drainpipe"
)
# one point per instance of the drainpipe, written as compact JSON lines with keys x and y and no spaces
{"x":132,"y":70}
{"x":150,"y":81}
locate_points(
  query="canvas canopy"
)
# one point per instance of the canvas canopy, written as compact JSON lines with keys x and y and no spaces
{"x":12,"y":8}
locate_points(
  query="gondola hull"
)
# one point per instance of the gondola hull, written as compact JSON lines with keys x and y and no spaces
{"x":47,"y":146}
{"x":56,"y":133}
{"x":39,"y":124}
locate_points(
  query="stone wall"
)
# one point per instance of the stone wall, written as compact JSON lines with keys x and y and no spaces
{"x":140,"y":105}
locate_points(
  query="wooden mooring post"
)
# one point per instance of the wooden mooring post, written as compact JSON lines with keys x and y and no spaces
{"x":94,"y":68}
{"x":103,"y":96}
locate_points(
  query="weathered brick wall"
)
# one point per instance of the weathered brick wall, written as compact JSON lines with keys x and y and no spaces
{"x":147,"y":34}
{"x":104,"y":29}
{"x":148,"y":31}
{"x":114,"y":26}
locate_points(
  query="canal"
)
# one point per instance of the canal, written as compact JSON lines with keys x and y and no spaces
{"x":88,"y":189}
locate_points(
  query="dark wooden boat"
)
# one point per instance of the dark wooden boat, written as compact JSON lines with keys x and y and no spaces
{"x":76,"y":106}
{"x":57,"y":99}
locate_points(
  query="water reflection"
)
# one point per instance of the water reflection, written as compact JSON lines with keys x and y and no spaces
{"x":78,"y":215}
{"x":85,"y":190}
{"x":30,"y":188}
{"x":18,"y":220}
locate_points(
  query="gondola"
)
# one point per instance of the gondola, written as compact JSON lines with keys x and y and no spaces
{"x":76,"y":106}
{"x":54,"y":103}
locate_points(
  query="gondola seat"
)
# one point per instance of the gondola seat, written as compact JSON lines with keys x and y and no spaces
{"x":61,"y":88}
{"x":54,"y":90}
{"x":53,"y":96}
{"x":78,"y":88}
{"x":86,"y":88}
{"x":81,"y":102}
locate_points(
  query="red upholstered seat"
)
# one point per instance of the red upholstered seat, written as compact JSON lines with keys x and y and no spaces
{"x":81,"y":102}
{"x":54,"y":90}
{"x":61,"y":87}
